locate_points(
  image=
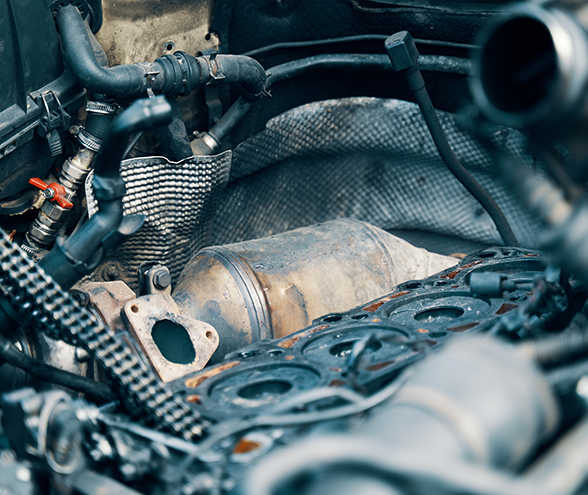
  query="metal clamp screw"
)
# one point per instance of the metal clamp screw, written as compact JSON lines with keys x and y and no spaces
{"x":150,"y":79}
{"x":214,"y":69}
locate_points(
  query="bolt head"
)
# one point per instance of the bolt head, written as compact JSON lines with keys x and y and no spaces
{"x":162,"y":279}
{"x":49,"y":193}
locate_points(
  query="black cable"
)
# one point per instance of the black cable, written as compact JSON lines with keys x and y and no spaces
{"x":405,"y":59}
{"x":94,"y":390}
{"x":347,"y":39}
{"x":458,"y":170}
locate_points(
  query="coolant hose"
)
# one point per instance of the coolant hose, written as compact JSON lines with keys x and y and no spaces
{"x":107,"y":229}
{"x":174,"y":75}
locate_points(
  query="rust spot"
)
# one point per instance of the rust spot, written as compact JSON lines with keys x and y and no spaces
{"x":453,"y":274}
{"x":336,"y":370}
{"x":379,"y":366}
{"x":289,"y":342}
{"x":506,"y":307}
{"x":289,"y":357}
{"x":463,"y":328}
{"x":376,"y":320}
{"x":454,"y":286}
{"x":198,"y":380}
{"x":531,"y":255}
{"x":194,"y":399}
{"x":422,"y":330}
{"x":244,"y":446}
{"x":337,"y":383}
{"x":373,"y":307}
{"x":286,"y":344}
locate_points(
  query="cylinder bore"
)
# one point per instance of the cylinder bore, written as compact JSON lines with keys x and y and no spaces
{"x":259,"y":386}
{"x":518,"y":65}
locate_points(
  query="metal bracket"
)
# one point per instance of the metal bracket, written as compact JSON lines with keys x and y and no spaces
{"x":141,"y":315}
{"x":52,"y":121}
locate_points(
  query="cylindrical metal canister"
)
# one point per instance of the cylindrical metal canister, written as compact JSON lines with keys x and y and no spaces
{"x":271,"y":287}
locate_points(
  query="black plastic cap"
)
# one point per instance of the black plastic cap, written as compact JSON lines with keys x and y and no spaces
{"x":402,"y":51}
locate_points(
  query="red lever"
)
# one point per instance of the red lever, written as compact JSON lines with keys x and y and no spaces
{"x":53,"y":192}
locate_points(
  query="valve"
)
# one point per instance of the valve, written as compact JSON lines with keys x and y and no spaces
{"x":52,"y":192}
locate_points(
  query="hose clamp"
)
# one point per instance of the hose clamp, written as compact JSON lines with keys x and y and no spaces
{"x":184,"y":65}
{"x":88,"y":141}
{"x":214,"y":69}
{"x":101,"y":108}
{"x":150,"y":76}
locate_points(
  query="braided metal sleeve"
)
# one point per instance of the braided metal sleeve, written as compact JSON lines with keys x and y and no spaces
{"x":40,"y":300}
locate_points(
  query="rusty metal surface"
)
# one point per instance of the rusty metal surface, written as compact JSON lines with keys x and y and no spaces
{"x":143,"y":314}
{"x":142,"y":30}
{"x":108,"y":299}
{"x":269,"y":288}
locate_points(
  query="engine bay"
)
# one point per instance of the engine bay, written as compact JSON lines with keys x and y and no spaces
{"x":261,"y":247}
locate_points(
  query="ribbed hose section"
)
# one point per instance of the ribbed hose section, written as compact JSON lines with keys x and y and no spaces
{"x":38,"y":299}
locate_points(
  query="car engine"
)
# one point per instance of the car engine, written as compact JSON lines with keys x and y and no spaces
{"x":309,"y":247}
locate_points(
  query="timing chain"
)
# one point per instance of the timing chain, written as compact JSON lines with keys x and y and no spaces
{"x":38,"y":298}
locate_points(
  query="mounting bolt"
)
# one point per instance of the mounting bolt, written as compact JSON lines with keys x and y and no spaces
{"x":110,"y":273}
{"x":161,"y":279}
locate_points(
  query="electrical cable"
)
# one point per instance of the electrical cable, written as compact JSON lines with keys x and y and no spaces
{"x":459,"y":171}
{"x":347,"y":39}
{"x":405,"y":59}
{"x":94,"y":390}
